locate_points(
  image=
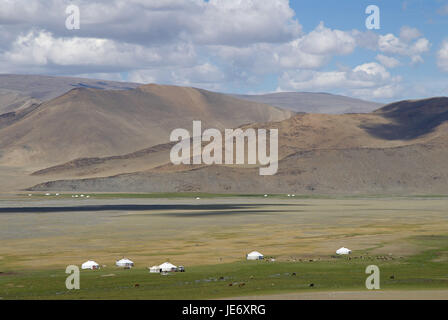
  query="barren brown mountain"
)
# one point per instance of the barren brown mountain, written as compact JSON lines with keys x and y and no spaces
{"x":401,"y":148}
{"x":98,"y":123}
{"x":18,"y":89}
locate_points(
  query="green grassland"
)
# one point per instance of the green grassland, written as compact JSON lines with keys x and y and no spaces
{"x":405,"y":237}
{"x":243,"y":278}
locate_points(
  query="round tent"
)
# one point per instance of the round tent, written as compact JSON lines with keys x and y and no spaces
{"x":167,"y":267}
{"x":343,"y":251}
{"x":92,"y":265}
{"x":254,"y":255}
{"x":154,"y":269}
{"x":124,"y":263}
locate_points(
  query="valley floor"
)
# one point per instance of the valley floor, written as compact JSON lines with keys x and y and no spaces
{"x":406,"y":237}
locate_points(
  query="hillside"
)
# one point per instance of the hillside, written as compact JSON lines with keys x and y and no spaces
{"x":16,"y":89}
{"x":97,"y":123}
{"x":314,"y":102}
{"x":319,"y":154}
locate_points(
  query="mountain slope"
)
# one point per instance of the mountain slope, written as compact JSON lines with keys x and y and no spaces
{"x":15,"y":89}
{"x":347,"y":171}
{"x":311,"y":102}
{"x":319,"y":154}
{"x":98,"y":123}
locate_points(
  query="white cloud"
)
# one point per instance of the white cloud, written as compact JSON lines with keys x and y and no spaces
{"x":390,"y":44}
{"x":323,"y":40}
{"x":236,"y":22}
{"x":388,"y":91}
{"x":408,"y":33}
{"x":420,"y":46}
{"x":388,"y":62}
{"x":215,"y":44}
{"x":366,"y":39}
{"x":309,"y":51}
{"x":368,"y":81}
{"x":41,"y":48}
{"x":442,"y":56}
{"x":230,"y":22}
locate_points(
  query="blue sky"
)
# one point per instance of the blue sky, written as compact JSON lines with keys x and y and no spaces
{"x":241,"y":46}
{"x":350,"y":14}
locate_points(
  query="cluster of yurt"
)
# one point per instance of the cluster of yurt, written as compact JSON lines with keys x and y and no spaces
{"x":169,"y":267}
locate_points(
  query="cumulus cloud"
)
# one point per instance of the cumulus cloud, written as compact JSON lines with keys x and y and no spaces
{"x":389,"y":62}
{"x":41,"y":48}
{"x":214,"y":44}
{"x":368,"y":80}
{"x":366,"y":39}
{"x":391,"y":44}
{"x":232,"y":22}
{"x":236,"y":22}
{"x":323,"y":40}
{"x":442,"y":56}
{"x":309,"y":51}
{"x":408,"y":33}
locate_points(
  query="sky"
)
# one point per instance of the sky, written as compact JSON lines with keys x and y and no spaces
{"x":235,"y":46}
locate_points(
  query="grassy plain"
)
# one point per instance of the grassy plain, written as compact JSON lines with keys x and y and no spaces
{"x":406,"y":237}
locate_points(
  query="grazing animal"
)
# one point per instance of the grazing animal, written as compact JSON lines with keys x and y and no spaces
{"x":294,"y":274}
{"x":311,"y":285}
{"x":392,"y":277}
{"x":137,"y":285}
{"x":241,"y":285}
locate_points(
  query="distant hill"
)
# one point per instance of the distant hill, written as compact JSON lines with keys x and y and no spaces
{"x":16,"y":90}
{"x":310,"y":102}
{"x":72,"y":134}
{"x":87,"y":122}
{"x":319,"y":154}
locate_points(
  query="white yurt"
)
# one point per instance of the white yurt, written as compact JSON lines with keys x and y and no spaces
{"x":254,"y":255}
{"x":126,"y":263}
{"x":92,"y":265}
{"x":167,"y":267}
{"x":154,"y":269}
{"x":343,"y":251}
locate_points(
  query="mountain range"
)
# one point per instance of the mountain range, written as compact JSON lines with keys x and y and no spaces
{"x":117,"y":140}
